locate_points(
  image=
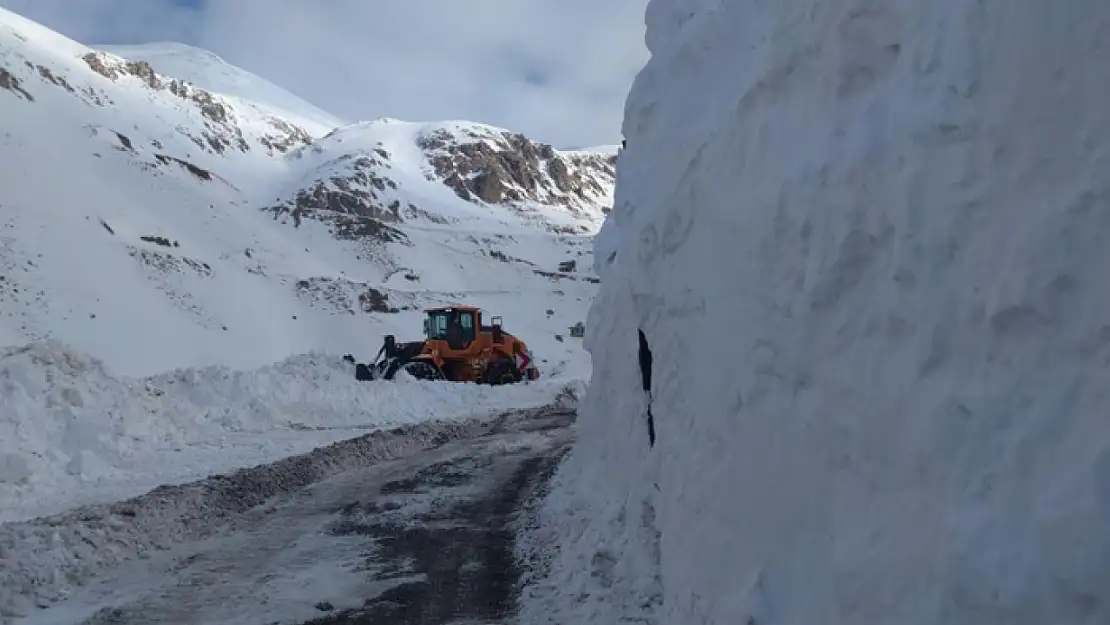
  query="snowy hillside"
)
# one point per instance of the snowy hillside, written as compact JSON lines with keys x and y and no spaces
{"x":868,"y":258}
{"x":168,"y":210}
{"x":211,"y":73}
{"x":242,"y":236}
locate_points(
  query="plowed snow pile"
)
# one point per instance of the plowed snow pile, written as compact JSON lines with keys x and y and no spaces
{"x":71,"y":433}
{"x":866,"y":242}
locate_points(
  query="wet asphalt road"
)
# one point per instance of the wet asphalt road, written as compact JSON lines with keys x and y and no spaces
{"x":462,"y":547}
{"x":426,"y":540}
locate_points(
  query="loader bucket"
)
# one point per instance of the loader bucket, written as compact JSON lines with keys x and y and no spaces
{"x":363,"y":372}
{"x":390,"y":358}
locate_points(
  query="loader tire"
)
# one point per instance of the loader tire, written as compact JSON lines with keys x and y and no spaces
{"x":502,"y":372}
{"x":422,"y":370}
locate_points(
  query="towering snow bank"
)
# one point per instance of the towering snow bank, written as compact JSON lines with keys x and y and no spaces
{"x":866,"y":242}
{"x":599,"y":517}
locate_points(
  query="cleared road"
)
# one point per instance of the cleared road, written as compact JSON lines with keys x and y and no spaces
{"x":425,"y":539}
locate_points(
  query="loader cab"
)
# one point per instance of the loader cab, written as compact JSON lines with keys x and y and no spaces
{"x":456,"y":326}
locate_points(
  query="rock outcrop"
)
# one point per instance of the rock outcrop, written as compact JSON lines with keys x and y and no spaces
{"x":500,"y":167}
{"x":222,"y":131}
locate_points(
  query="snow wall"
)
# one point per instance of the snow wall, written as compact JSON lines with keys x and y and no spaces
{"x":867,"y":242}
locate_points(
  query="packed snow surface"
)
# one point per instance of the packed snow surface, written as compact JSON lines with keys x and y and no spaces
{"x":866,"y":244}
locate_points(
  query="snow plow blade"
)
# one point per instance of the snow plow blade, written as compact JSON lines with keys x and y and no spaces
{"x":366,"y":373}
{"x":390,"y":359}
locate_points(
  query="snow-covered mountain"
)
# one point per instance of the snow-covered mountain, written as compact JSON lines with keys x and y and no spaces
{"x":208,"y":71}
{"x":167,"y":209}
{"x":164,"y":209}
{"x":865,"y":243}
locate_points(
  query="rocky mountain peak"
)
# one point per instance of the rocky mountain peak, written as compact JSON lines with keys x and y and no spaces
{"x":501,"y":167}
{"x":480,"y":164}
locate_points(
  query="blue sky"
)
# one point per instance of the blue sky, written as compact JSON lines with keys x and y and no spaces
{"x":557,"y":70}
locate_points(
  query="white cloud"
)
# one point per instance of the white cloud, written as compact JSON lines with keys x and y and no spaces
{"x":557,"y":70}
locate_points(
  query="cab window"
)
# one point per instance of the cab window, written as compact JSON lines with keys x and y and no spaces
{"x":437,"y":326}
{"x":466,"y":320}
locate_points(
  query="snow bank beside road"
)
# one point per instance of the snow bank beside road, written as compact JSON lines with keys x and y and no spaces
{"x":866,"y":243}
{"x":590,"y":549}
{"x":71,"y":433}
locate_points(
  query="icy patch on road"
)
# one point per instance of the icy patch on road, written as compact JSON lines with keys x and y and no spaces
{"x":71,"y":433}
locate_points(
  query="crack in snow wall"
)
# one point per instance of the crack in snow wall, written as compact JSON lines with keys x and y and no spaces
{"x":43,"y":558}
{"x":866,"y":241}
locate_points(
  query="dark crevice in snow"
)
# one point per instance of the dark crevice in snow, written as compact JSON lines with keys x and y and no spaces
{"x":645,"y":377}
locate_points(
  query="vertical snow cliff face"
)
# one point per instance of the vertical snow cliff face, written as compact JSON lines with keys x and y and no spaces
{"x":867,"y":242}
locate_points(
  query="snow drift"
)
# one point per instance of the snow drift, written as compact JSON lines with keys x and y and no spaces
{"x":72,"y":433}
{"x":867,"y":256}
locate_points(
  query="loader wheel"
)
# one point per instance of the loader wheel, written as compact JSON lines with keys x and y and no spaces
{"x":423,"y":370}
{"x":502,"y":372}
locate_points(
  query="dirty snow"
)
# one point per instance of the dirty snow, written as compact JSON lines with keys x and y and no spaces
{"x":866,"y":242}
